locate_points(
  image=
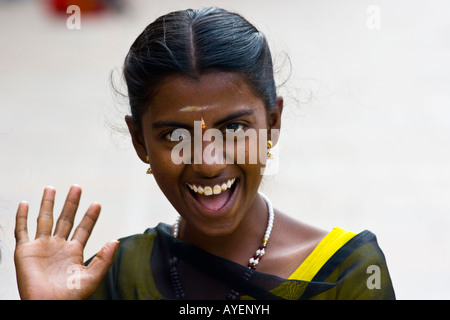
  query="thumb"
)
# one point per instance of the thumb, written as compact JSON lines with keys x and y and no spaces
{"x":102,"y":261}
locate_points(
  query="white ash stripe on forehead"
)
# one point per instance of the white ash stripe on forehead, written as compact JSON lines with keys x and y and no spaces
{"x":192,"y":108}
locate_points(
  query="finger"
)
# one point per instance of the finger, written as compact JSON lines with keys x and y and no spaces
{"x":65,"y":221}
{"x":101,"y":262}
{"x":84,"y":229}
{"x":21,"y":229}
{"x":45,"y":218}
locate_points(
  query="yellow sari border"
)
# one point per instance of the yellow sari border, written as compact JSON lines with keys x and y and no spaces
{"x":326,"y":248}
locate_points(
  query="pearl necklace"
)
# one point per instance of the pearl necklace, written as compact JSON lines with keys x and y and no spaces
{"x":254,"y":260}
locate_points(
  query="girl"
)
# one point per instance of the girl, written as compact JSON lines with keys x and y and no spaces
{"x":211,"y":67}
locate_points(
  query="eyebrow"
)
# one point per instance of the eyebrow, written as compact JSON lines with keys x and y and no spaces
{"x":234,"y":116}
{"x":165,"y":124}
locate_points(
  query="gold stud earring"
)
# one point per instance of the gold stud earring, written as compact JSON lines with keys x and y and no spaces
{"x":149,"y":170}
{"x":269,"y":146}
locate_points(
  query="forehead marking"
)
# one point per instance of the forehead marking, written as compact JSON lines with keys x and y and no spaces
{"x":192,"y":109}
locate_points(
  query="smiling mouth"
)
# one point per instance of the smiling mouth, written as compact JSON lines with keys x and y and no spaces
{"x":213,"y":197}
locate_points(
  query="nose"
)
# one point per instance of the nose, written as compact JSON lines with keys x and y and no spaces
{"x":209,"y":157}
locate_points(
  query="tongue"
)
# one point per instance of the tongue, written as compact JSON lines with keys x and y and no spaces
{"x":214,"y":202}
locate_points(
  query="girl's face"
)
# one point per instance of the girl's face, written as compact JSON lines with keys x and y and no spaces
{"x":225,"y":102}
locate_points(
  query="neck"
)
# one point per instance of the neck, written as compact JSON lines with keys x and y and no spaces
{"x":238,"y":245}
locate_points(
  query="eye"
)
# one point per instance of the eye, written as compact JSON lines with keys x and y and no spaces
{"x":177,"y":135}
{"x":235,"y":127}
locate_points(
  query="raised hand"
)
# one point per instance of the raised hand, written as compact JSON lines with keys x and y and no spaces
{"x":51,"y":267}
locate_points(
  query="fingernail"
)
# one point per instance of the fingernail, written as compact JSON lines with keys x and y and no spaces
{"x":114,"y":243}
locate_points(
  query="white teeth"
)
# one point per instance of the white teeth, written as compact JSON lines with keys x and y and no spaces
{"x":208,"y":191}
{"x":216,"y":189}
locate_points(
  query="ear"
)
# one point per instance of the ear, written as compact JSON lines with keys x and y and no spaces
{"x":137,"y":138}
{"x":275,"y":119}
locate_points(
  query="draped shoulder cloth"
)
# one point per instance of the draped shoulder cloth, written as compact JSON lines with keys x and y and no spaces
{"x":155,"y":265}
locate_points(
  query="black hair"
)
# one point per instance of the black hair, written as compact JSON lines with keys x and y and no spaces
{"x":191,"y":43}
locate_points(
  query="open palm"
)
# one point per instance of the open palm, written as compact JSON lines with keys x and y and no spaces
{"x":51,"y":267}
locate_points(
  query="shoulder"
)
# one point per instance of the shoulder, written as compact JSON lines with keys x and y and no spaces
{"x":291,"y":243}
{"x":290,"y":230}
{"x":295,"y":235}
{"x":358,"y":253}
{"x":362,"y":248}
{"x":358,"y":269}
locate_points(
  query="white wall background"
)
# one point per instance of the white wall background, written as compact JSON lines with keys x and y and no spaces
{"x":365,"y":137}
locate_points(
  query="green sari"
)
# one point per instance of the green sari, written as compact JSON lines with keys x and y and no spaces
{"x":154,"y":266}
